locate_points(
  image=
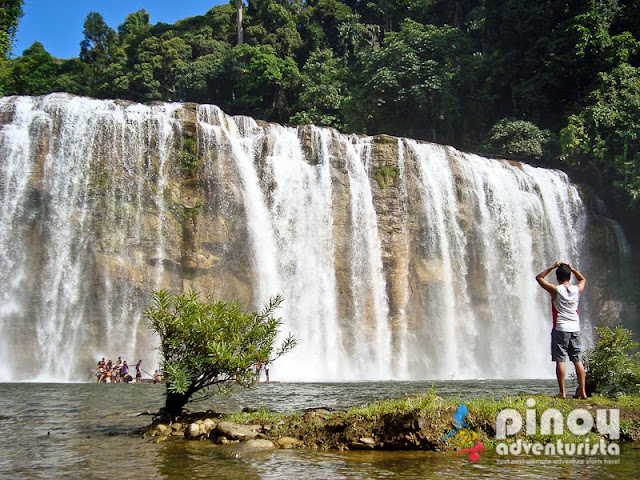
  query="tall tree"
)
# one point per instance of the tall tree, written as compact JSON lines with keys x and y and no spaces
{"x":255,"y":81}
{"x":97,"y":48}
{"x":324,"y":91}
{"x":604,"y":135}
{"x":10,"y":14}
{"x":420,"y":73}
{"x":134,"y":28}
{"x":325,"y":18}
{"x":239,"y":7}
{"x":274,"y":23}
{"x":160,"y":62}
{"x":33,"y":73}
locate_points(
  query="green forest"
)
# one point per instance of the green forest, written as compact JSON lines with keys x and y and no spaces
{"x":554,"y":83}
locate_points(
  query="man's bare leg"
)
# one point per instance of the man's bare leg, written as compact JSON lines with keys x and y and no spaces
{"x":560,"y":373}
{"x":580,"y":374}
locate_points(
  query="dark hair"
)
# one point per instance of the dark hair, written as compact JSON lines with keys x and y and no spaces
{"x":563,"y":273}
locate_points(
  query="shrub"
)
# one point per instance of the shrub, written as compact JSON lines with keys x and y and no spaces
{"x":207,"y":343}
{"x":612,"y":367}
{"x":385,"y":175}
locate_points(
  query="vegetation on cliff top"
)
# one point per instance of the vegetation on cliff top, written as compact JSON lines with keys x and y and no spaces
{"x":535,"y":81}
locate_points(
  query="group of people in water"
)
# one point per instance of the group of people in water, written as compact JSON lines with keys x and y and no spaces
{"x":108,"y":371}
{"x":117,"y":372}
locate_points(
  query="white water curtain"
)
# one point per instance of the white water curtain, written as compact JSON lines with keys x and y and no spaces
{"x":81,"y":176}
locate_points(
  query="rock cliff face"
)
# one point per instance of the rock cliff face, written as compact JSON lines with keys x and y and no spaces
{"x":397,"y":259}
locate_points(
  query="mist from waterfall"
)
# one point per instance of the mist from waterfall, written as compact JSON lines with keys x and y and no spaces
{"x":429,"y":276}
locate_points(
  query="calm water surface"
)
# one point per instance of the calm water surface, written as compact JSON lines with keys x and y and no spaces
{"x":87,"y":431}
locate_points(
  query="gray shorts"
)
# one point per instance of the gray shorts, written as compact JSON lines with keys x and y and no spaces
{"x":563,"y":344}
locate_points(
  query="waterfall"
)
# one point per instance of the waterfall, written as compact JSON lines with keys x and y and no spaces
{"x":71,"y":286}
{"x":525,"y":217}
{"x":450,"y":336}
{"x":397,"y":259}
{"x":288,"y":211}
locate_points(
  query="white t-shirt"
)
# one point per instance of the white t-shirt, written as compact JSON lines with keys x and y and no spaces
{"x":565,"y":309}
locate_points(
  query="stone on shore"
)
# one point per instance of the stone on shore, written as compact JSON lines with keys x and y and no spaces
{"x":200,"y":429}
{"x":162,"y":429}
{"x":288,"y":442}
{"x":363,"y":443}
{"x":234,"y":431}
{"x":250,"y":447}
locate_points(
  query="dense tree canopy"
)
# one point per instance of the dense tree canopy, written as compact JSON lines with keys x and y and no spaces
{"x":537,"y":81}
{"x":604,"y":134}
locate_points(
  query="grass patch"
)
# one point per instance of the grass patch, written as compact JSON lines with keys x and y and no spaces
{"x":428,"y":401}
{"x":262,"y":415}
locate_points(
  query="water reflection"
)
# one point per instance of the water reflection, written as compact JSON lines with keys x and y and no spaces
{"x":88,"y":431}
{"x":197,"y":461}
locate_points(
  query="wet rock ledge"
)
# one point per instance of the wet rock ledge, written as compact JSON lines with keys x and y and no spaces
{"x":417,"y":422}
{"x":314,"y":429}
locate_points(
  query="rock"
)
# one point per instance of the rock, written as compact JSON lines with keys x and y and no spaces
{"x":249,"y":447}
{"x":258,"y":445}
{"x":161,"y":429}
{"x":320,"y":413}
{"x":195,"y":430}
{"x":207,"y":427}
{"x":323,"y":413}
{"x":235,"y":431}
{"x":288,"y":442}
{"x":364,"y":443}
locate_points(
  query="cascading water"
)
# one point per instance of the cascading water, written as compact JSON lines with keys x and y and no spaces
{"x":71,"y":285}
{"x":396,"y":259}
{"x":524,"y":216}
{"x":450,"y":338}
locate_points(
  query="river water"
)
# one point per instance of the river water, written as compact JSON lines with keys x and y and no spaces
{"x":86,"y":430}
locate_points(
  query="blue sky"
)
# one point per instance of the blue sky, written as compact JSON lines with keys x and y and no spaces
{"x":57,"y":24}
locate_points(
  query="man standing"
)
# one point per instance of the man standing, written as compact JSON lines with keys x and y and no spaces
{"x":138,"y":371}
{"x":565,"y":336}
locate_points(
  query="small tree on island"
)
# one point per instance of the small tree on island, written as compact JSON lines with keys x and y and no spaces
{"x":207,"y":344}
